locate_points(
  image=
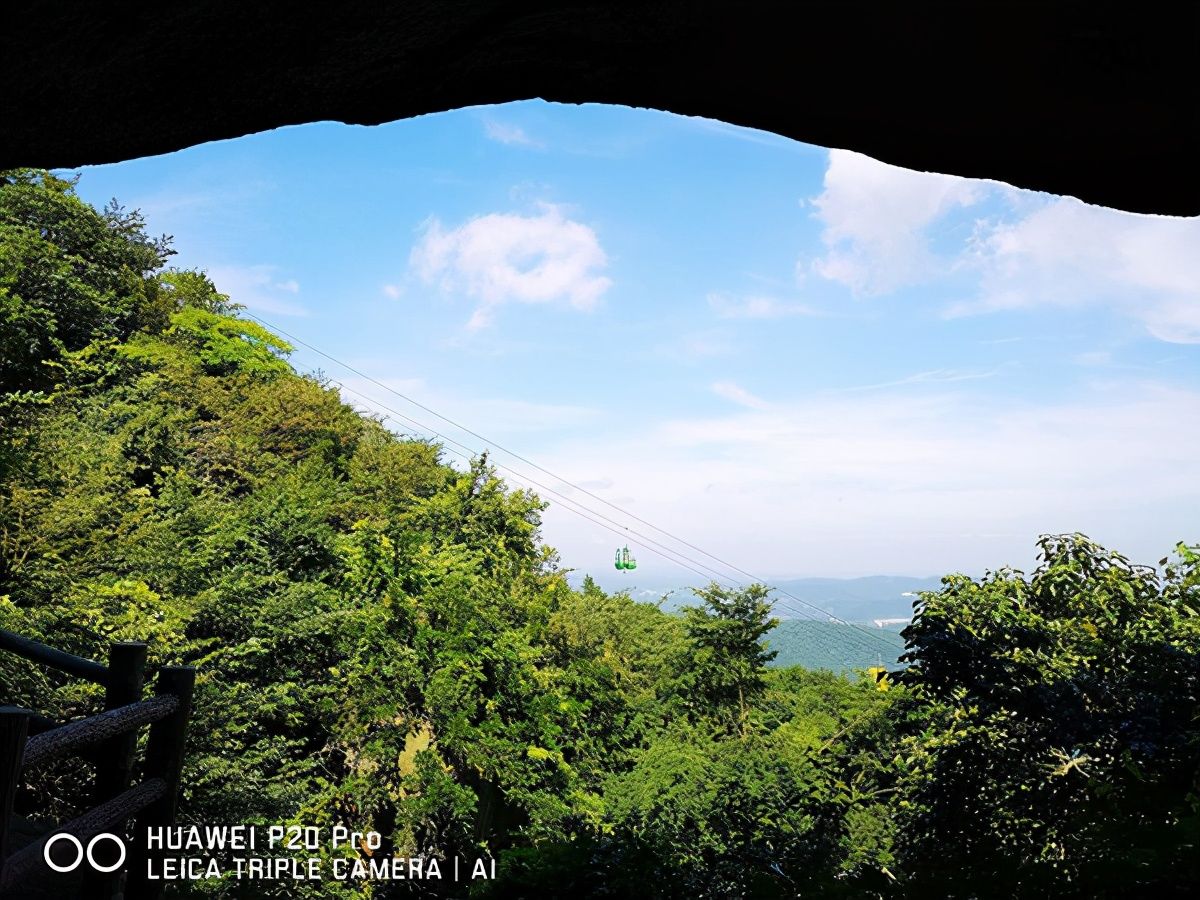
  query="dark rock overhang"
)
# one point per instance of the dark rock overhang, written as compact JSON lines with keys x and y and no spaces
{"x":1092,"y":99}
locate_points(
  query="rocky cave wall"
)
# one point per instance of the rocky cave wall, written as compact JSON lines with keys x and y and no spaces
{"x":1095,"y":99}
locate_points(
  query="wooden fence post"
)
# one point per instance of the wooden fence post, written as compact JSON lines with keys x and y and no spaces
{"x":14,"y":727}
{"x":114,"y":758}
{"x":164,"y":759}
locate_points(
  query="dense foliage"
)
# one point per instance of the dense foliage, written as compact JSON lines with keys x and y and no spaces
{"x":1063,"y":733}
{"x":383,"y":641}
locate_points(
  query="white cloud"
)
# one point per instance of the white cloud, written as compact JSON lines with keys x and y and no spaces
{"x":755,"y":307}
{"x":257,"y":288}
{"x":1033,"y":250}
{"x":508,"y":133}
{"x":394,"y":291}
{"x":739,"y":395}
{"x":874,"y":216}
{"x":501,"y":258}
{"x":1066,"y":253}
{"x":893,"y":481}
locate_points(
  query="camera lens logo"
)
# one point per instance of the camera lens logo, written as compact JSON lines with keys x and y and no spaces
{"x":81,"y":853}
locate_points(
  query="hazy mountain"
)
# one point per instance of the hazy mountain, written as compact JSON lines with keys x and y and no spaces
{"x":807,"y":636}
{"x":852,"y":599}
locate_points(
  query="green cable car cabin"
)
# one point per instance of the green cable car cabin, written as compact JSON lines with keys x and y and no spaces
{"x":625,"y":559}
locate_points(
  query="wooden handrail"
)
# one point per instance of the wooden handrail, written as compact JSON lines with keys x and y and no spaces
{"x":111,"y":739}
{"x":68,"y":739}
{"x":115,"y":757}
{"x":27,"y":863}
{"x":56,"y":659}
{"x":39,"y":724}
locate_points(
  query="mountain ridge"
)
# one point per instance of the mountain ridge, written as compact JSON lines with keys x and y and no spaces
{"x":862,"y":599}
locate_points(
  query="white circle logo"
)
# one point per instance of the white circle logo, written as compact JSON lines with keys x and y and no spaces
{"x":80,"y":853}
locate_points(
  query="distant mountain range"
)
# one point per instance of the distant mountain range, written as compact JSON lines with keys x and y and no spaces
{"x":861,"y":600}
{"x":872,"y":612}
{"x":853,"y":599}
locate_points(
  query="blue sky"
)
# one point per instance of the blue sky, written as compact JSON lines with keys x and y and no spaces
{"x":803,"y":360}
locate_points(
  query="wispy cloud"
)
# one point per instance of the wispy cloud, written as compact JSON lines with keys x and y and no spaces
{"x":596,"y":484}
{"x":215,"y":203}
{"x":756,"y":307}
{"x":508,"y":133}
{"x":1066,"y":253}
{"x":1093,"y":358}
{"x":739,"y":395}
{"x":932,"y":376}
{"x":499,"y":418}
{"x":259,"y":288}
{"x":695,"y":346}
{"x":505,"y":257}
{"x":743,"y":133}
{"x":871,"y":482}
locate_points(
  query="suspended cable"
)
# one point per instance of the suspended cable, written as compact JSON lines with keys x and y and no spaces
{"x":584,"y":512}
{"x":871,"y":635}
{"x":670,"y":554}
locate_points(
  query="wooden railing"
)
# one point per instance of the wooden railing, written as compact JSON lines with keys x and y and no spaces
{"x":109,"y":739}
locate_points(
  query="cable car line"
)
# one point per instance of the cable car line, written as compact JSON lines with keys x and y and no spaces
{"x":800,"y":614}
{"x":668,"y":553}
{"x":649,"y":543}
{"x":544,"y":487}
{"x":825,"y":613}
{"x":682,"y":561}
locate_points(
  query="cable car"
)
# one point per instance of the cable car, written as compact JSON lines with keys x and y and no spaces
{"x":625,"y":560}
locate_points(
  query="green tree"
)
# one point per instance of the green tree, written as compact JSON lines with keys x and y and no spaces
{"x":1057,"y":743}
{"x":730,"y":651}
{"x":69,"y":276}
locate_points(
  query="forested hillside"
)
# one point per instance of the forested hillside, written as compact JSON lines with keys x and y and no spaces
{"x":384,"y":641}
